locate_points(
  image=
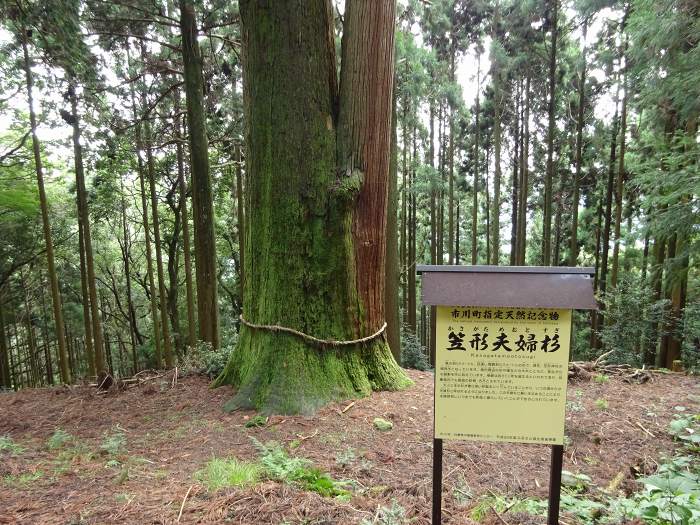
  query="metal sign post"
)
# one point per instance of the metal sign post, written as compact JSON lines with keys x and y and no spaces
{"x":502,"y":351}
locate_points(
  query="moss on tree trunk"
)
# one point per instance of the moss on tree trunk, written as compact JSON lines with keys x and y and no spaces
{"x":305,"y":183}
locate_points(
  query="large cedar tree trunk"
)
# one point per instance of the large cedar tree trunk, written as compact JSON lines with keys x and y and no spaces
{"x":316,"y":190}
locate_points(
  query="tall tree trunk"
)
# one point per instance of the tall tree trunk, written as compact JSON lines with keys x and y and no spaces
{"x":411,"y":266}
{"x":85,"y":296}
{"x":403,"y":242}
{"x":548,"y":181}
{"x":457,"y":218}
{"x":659,"y":254}
{"x":187,"y":253}
{"x":497,"y":107}
{"x":5,"y":369}
{"x":391,"y":261}
{"x":316,"y":190}
{"x":155,"y":318}
{"x":240,"y":213}
{"x":202,"y":196}
{"x":48,"y":242}
{"x":477,"y":155}
{"x":162,"y":295}
{"x":126,"y":260}
{"x":496,"y":198}
{"x":524,"y":175}
{"x":84,"y":215}
{"x":46,"y":340}
{"x":573,"y":247}
{"x":605,"y":247}
{"x":619,"y":186}
{"x":451,"y":176}
{"x":430,"y":161}
{"x":516,"y":162}
{"x":487,"y":206}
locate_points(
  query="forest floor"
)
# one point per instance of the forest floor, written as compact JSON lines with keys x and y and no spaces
{"x":132,"y":456}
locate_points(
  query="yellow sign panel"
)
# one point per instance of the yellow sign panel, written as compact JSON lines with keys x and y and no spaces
{"x":501,"y":373}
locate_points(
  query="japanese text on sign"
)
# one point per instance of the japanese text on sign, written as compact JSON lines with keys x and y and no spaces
{"x":501,"y":374}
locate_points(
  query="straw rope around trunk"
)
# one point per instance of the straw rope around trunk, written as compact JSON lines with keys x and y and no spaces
{"x":311,"y":338}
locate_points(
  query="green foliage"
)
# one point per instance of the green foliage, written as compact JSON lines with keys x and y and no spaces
{"x":601,"y":378}
{"x":501,"y":504}
{"x":413,"y":354}
{"x":690,"y":335}
{"x":204,"y":359}
{"x":59,"y":439}
{"x":346,"y":458}
{"x":575,"y":405}
{"x":256,"y":421}
{"x":224,"y":473}
{"x":382,"y":424}
{"x":601,"y":403}
{"x":279,"y":466}
{"x":113,"y":442}
{"x":686,"y":429}
{"x":23,"y":480}
{"x":631,"y":316}
{"x":394,"y":515}
{"x":577,"y":482}
{"x":8,"y":445}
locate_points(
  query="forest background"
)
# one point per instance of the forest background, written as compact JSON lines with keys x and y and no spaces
{"x":525,"y":133}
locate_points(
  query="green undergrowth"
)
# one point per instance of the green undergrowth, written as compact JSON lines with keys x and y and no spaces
{"x":671,"y":496}
{"x":276,"y":464}
{"x":23,"y":480}
{"x":393,"y":515}
{"x":225,"y":473}
{"x":8,"y":446}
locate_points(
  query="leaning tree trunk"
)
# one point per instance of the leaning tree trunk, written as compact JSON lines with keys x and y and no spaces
{"x":202,"y":195}
{"x":316,"y":195}
{"x":48,"y":242}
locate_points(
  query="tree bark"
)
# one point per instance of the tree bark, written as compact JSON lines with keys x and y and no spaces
{"x":202,"y":196}
{"x":316,"y":191}
{"x":43,"y":203}
{"x":240,"y":214}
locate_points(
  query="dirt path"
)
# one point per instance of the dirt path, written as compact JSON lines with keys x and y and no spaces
{"x":168,"y":433}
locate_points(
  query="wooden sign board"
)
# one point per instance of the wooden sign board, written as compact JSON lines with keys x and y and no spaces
{"x":500,"y":374}
{"x":502,"y":337}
